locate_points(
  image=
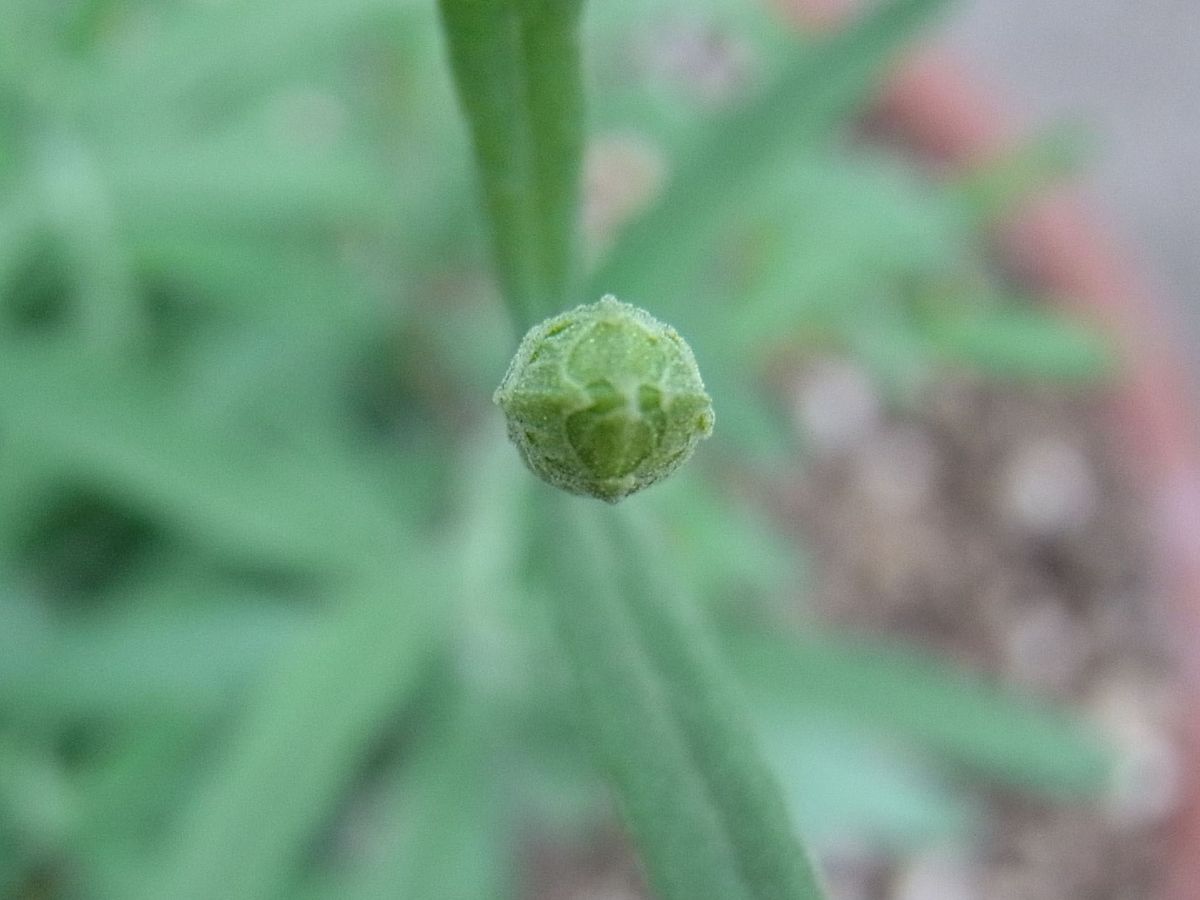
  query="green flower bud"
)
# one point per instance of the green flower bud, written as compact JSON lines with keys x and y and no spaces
{"x":604,"y":400}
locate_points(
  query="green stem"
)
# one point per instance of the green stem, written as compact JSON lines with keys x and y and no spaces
{"x":771,"y":861}
{"x":550,"y":44}
{"x":517,"y":69}
{"x":703,"y":808}
{"x":627,"y":719}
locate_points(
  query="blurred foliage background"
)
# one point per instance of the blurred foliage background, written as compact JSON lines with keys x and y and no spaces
{"x":270,"y":621}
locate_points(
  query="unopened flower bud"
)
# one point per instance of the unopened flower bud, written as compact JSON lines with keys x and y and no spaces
{"x":604,"y":400}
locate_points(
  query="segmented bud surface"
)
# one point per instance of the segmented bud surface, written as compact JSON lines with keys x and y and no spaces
{"x":604,"y":400}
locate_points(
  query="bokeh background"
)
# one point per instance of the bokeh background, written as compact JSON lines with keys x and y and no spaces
{"x":271,"y":624}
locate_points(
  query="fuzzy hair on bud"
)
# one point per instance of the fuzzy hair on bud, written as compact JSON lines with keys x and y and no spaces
{"x":604,"y":400}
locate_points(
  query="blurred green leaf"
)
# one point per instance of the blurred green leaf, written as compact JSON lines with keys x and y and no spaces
{"x":443,"y":834}
{"x":189,"y":52}
{"x":129,"y":437}
{"x":244,"y":188}
{"x":844,"y":783}
{"x":306,"y":726}
{"x":37,"y":803}
{"x":941,"y":708}
{"x":993,"y":189}
{"x":796,"y":112}
{"x":183,"y":665}
{"x":1009,"y":341}
{"x":727,"y":547}
{"x":316,"y":712}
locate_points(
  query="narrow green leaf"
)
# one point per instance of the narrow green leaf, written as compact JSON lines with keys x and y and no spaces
{"x":258,"y":280}
{"x":516,"y":66}
{"x":752,"y":426}
{"x":81,"y":212}
{"x":841,"y":778}
{"x":443,"y":834}
{"x":315,"y":715}
{"x":36,"y":794}
{"x":182,"y":665}
{"x":302,"y":736}
{"x":551,"y":53}
{"x":227,"y":51}
{"x":1011,"y":342}
{"x":126,"y":793}
{"x":831,"y":233}
{"x":942,"y":708}
{"x":821,"y":88}
{"x":726,"y":545}
{"x":995,"y":188}
{"x":246,"y":186}
{"x":127,"y":436}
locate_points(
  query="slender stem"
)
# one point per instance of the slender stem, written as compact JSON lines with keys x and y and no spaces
{"x":704,"y":810}
{"x":550,"y":45}
{"x":517,"y":68}
{"x":770,"y":860}
{"x":627,"y":719}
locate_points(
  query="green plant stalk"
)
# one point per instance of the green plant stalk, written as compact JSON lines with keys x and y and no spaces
{"x":516,"y":67}
{"x":458,"y":844}
{"x":770,"y":859}
{"x":552,"y":58}
{"x":666,"y":728}
{"x":625,"y":714}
